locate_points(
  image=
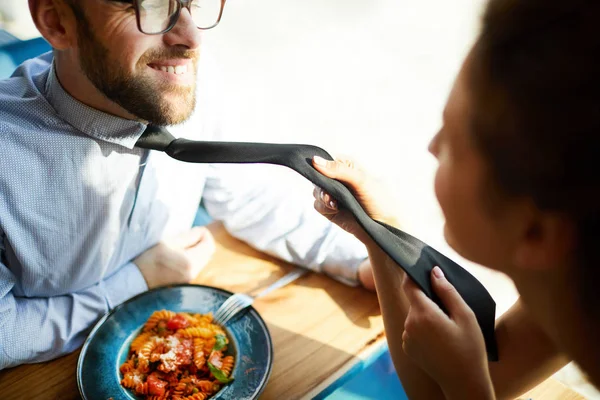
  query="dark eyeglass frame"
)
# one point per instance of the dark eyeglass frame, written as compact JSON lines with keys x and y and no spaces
{"x":174,"y":18}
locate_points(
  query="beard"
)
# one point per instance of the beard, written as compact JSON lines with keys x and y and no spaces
{"x":139,"y":94}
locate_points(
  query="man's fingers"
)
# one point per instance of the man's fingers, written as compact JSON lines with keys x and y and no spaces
{"x":188,"y":238}
{"x":206,"y":243}
{"x":200,"y":254}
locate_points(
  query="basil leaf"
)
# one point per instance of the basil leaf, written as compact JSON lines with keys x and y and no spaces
{"x":220,"y":343}
{"x":218,"y":374}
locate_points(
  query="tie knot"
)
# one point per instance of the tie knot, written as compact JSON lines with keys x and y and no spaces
{"x":155,"y":138}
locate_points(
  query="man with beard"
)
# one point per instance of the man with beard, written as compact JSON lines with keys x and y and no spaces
{"x":87,"y":220}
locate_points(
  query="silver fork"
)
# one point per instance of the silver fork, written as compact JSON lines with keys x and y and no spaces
{"x":237,"y":302}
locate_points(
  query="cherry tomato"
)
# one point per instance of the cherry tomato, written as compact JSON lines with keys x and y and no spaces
{"x":177,"y":322}
{"x":156,"y":387}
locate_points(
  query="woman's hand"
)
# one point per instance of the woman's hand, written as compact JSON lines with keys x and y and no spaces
{"x":367,"y":191}
{"x":450,"y":348}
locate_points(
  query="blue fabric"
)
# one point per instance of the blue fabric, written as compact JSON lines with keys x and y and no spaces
{"x":17,"y":51}
{"x":6,"y":37}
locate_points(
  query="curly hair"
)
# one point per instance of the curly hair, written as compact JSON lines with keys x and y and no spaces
{"x":535,"y":81}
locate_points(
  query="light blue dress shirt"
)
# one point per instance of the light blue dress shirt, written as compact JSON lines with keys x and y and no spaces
{"x":78,"y":203}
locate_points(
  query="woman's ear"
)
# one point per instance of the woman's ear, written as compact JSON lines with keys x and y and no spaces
{"x":55,"y":21}
{"x":547,"y":242}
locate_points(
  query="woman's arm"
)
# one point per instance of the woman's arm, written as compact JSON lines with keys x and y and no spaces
{"x":394,"y":309}
{"x":527,"y":356}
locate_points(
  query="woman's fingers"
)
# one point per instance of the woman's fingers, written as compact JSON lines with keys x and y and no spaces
{"x":416,"y":297}
{"x":324,"y":198}
{"x":366,"y":191}
{"x":343,"y":170}
{"x":373,"y":198}
{"x":448,"y":294}
{"x":324,"y":210}
{"x":327,"y":206}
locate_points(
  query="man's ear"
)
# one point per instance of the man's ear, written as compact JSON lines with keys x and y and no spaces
{"x":55,"y":21}
{"x":548,"y":241}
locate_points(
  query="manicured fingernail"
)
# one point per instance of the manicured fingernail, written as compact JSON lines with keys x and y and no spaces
{"x":438,"y":273}
{"x":322,"y":194}
{"x":332,"y":205}
{"x":320,"y":161}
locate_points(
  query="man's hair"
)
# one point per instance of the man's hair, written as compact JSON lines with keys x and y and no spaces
{"x":535,"y":81}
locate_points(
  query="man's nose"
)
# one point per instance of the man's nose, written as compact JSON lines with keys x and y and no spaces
{"x":185,"y":32}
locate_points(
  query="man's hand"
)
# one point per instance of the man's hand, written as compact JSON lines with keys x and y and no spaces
{"x":450,"y":348}
{"x":177,"y":260}
{"x":365,"y":275}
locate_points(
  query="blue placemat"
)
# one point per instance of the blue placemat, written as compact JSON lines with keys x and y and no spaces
{"x":372,"y":379}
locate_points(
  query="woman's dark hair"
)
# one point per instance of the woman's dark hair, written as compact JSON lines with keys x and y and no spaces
{"x":535,"y":81}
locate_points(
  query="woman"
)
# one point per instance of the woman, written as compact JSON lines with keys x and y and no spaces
{"x":520,"y":192}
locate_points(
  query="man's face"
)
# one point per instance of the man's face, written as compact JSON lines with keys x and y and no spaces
{"x":151,"y":76}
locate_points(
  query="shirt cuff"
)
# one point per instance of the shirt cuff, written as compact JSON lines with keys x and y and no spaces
{"x":124,"y":284}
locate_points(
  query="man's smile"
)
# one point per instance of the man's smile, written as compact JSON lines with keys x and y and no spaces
{"x":173,"y":67}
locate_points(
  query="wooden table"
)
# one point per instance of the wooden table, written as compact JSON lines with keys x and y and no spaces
{"x":319,"y":327}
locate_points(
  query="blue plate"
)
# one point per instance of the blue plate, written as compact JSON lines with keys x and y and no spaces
{"x":106,"y":348}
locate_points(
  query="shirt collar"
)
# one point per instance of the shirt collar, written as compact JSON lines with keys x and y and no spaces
{"x":88,"y":120}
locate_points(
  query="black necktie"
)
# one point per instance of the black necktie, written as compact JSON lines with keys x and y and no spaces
{"x":411,"y":254}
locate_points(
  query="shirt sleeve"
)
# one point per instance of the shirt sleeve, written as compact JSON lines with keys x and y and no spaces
{"x":40,"y":329}
{"x":272,"y":209}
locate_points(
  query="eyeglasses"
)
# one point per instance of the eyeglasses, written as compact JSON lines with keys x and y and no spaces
{"x":155,"y":17}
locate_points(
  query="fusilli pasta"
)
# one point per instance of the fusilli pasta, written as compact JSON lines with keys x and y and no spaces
{"x":177,"y":356}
